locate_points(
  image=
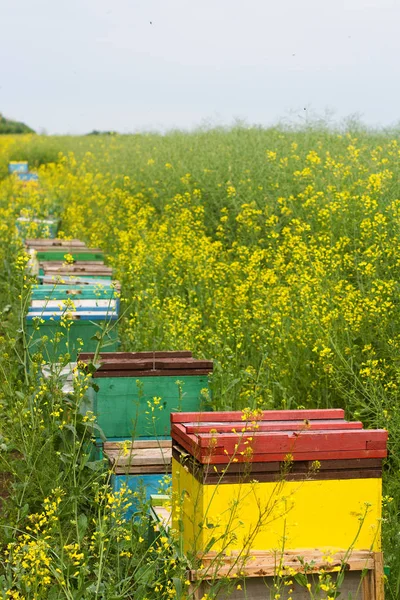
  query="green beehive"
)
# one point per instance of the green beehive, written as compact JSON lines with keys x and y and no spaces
{"x":83,"y":333}
{"x":136,"y":392}
{"x":79,"y":295}
{"x":92,"y":254}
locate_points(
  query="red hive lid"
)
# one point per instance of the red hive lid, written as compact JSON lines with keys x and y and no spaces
{"x":275,"y":435}
{"x":148,"y":364}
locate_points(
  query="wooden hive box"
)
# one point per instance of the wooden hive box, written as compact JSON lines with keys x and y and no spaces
{"x":102,"y":296}
{"x":140,"y":466}
{"x":51,"y":270}
{"x":127,"y":383}
{"x":305,"y":476}
{"x":15,"y":166}
{"x":46,"y":227}
{"x":78,"y":253}
{"x":86,"y":323}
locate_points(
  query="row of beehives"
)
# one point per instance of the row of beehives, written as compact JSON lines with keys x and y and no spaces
{"x":41,"y":226}
{"x":21,"y":170}
{"x":76,"y":297}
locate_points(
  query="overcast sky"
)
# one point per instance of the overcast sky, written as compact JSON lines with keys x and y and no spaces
{"x":71,"y":66}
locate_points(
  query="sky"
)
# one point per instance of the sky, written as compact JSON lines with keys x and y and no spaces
{"x":132,"y":65}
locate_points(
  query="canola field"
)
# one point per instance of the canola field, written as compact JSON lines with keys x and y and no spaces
{"x":275,"y":253}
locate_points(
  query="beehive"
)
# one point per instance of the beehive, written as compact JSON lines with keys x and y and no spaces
{"x":278,"y":479}
{"x":52,"y":270}
{"x":28,"y":177}
{"x":139,"y":466}
{"x":86,"y":325}
{"x":46,"y":227}
{"x":77,"y":253}
{"x":99,"y":297}
{"x":127,"y":383}
{"x":66,"y":245}
{"x":18,"y":166}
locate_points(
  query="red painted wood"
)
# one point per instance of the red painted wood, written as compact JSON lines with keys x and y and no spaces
{"x":377,"y":444}
{"x":267,"y":415}
{"x":273,"y":426}
{"x":215,"y":459}
{"x":304,"y":440}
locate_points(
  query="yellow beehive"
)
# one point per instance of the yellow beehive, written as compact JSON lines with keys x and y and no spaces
{"x":226,"y":498}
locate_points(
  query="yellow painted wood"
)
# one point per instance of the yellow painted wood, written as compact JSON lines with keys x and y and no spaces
{"x":257,"y":516}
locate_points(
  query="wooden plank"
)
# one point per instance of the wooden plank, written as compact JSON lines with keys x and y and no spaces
{"x":258,"y":588}
{"x":267,"y":564}
{"x":153,"y":373}
{"x":143,"y":469}
{"x":33,"y":242}
{"x":266,"y":415}
{"x":140,"y":457}
{"x":379,"y":580}
{"x":215,"y":459}
{"x":305,"y":441}
{"x":155,"y":364}
{"x":273,"y":426}
{"x":278,"y":447}
{"x":214,"y":479}
{"x":137,"y":444}
{"x":297,"y":466}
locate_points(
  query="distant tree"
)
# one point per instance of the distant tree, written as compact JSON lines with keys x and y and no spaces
{"x":8,"y":127}
{"x":96,"y":132}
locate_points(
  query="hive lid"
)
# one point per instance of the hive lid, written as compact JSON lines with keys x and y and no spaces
{"x":67,"y":248}
{"x":138,"y":364}
{"x":62,"y":279}
{"x":298,"y":435}
{"x":147,"y":456}
{"x":76,"y":315}
{"x":53,"y":243}
{"x":84,"y":267}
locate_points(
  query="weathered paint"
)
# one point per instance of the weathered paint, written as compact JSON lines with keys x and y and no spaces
{"x":58,"y":255}
{"x":122,"y":409}
{"x":308,"y":514}
{"x":85,"y":329}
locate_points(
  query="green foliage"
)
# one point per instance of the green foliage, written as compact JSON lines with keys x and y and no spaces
{"x":8,"y":127}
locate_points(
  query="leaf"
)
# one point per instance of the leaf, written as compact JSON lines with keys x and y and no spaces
{"x":178,"y":587}
{"x":95,"y":465}
{"x":95,"y":427}
{"x":82,"y":524}
{"x":301,"y":579}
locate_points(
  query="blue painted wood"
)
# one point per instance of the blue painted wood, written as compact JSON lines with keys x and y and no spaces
{"x":27,"y":176}
{"x":18,"y":167}
{"x":151,"y":483}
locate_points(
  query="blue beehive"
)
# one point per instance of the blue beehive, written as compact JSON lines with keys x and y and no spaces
{"x":140,"y":466}
{"x":24,"y":176}
{"x":18,"y":167}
